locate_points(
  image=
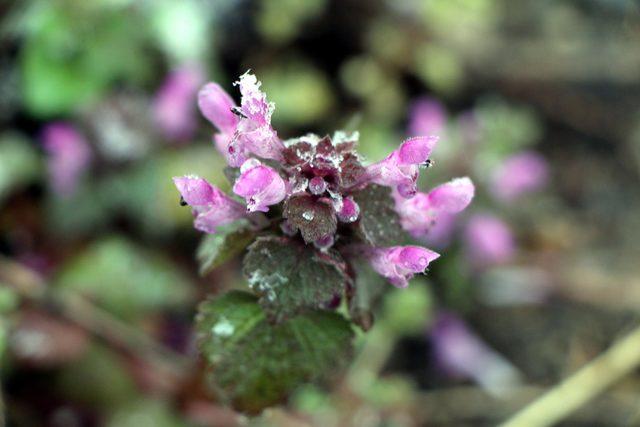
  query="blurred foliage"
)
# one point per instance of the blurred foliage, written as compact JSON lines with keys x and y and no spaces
{"x":281,"y":20}
{"x":99,"y":365}
{"x":301,"y":93}
{"x":74,"y":50}
{"x":19,"y":163}
{"x":125,"y":279}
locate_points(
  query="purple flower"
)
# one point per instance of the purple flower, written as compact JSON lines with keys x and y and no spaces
{"x":488,"y":240}
{"x":69,"y":156}
{"x":401,"y":168}
{"x":461,"y":353}
{"x":244,"y":130}
{"x":316,"y":182}
{"x":419,"y":213}
{"x":260,"y":185}
{"x":173,"y":107}
{"x":427,"y":117}
{"x":398,"y":264}
{"x":522,"y":173}
{"x":210,"y":206}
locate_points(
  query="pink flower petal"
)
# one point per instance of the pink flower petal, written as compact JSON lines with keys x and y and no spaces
{"x":419,"y":214}
{"x":216,"y":104}
{"x":210,"y":206}
{"x":452,"y":197}
{"x":261,"y":186}
{"x":415,"y":151}
{"x":399,"y":264}
{"x":401,"y":168}
{"x":194,"y":190}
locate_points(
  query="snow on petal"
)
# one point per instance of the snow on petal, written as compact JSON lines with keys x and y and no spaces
{"x":69,"y":156}
{"x":522,"y":173}
{"x":398,"y":264}
{"x":261,"y":186}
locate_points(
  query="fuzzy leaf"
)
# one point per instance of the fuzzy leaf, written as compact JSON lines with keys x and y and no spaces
{"x":256,"y":364}
{"x":314,"y":218}
{"x":291,"y":277}
{"x":215,"y":249}
{"x":379,"y":224}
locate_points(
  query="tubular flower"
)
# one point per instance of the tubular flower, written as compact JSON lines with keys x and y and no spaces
{"x":318,"y":188}
{"x":419,"y":214}
{"x":211,"y":207}
{"x":398,"y":264}
{"x":401,"y":168}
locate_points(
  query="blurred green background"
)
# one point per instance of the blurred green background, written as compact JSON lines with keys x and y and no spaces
{"x":99,"y":281}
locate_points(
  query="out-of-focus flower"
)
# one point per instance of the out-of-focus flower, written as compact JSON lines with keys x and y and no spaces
{"x":441,"y":232}
{"x":419,"y":213}
{"x":69,"y":156}
{"x":211,"y":207}
{"x":173,"y":107}
{"x":488,"y":240}
{"x":398,"y":264}
{"x":401,"y":168}
{"x":427,"y":117}
{"x":521,"y":173}
{"x":461,"y":353}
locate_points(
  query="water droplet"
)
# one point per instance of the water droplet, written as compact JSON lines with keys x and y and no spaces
{"x":308,"y":215}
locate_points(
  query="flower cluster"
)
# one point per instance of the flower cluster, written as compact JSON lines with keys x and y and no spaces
{"x":310,"y":185}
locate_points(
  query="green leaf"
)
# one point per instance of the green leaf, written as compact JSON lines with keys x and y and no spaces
{"x":291,"y":277}
{"x":125,"y":279}
{"x":379,"y":224}
{"x":256,"y":364}
{"x":314,"y":218}
{"x":229,"y":241}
